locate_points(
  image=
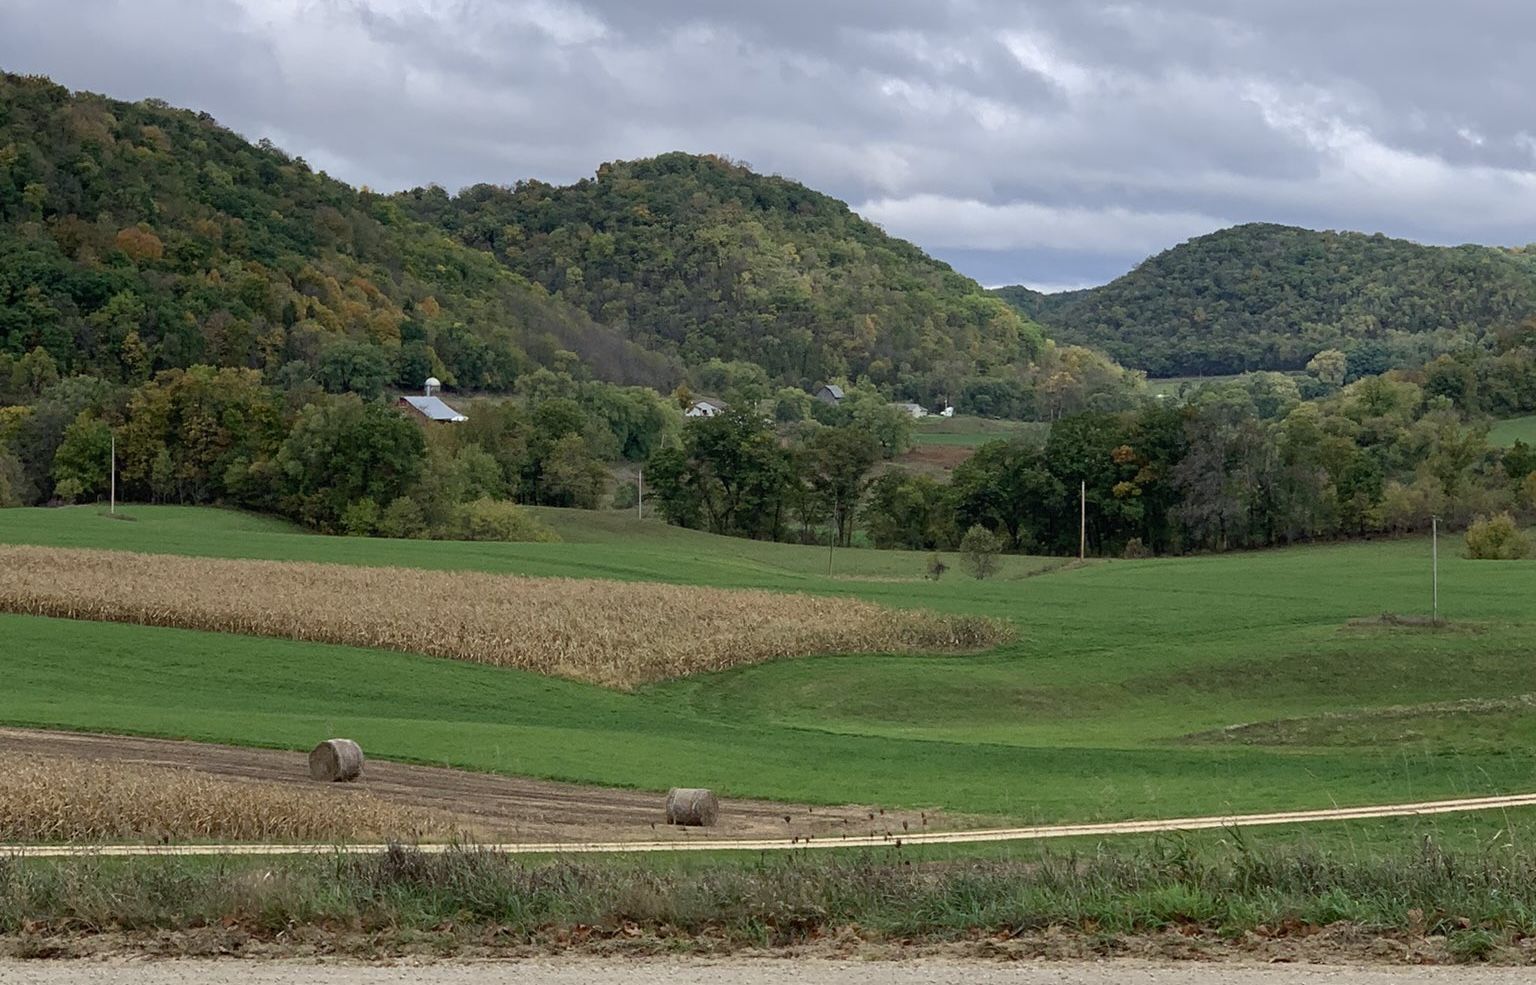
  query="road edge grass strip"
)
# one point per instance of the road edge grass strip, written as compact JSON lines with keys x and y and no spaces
{"x":1472,"y":906}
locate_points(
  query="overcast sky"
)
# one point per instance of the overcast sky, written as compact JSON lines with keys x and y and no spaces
{"x":1049,"y":143}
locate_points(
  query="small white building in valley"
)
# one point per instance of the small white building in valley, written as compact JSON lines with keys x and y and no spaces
{"x":430,"y":407}
{"x":705,"y":407}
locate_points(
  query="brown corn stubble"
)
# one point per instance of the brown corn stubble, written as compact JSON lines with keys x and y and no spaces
{"x":57,"y":799}
{"x":613,"y":633}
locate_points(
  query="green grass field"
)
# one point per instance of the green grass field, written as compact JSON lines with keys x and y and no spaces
{"x":972,"y":432}
{"x":1171,"y":385}
{"x":1110,"y":704}
{"x":1506,"y":432}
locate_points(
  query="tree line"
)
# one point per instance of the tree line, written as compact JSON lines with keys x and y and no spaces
{"x":338,"y":463}
{"x":1239,"y":465}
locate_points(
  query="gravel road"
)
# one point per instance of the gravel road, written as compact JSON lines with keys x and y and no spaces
{"x":758,"y":972}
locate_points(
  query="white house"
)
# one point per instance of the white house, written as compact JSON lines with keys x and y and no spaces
{"x":705,"y":407}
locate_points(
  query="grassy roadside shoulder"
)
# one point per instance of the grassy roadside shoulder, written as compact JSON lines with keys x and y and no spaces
{"x":1418,"y":902}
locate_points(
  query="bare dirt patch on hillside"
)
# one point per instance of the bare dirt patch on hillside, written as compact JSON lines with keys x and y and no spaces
{"x":486,"y":806}
{"x":935,"y":460}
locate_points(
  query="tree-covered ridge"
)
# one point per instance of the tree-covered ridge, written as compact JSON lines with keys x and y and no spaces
{"x":1034,"y":304}
{"x":701,"y":258}
{"x":1263,"y":296}
{"x":136,"y":238}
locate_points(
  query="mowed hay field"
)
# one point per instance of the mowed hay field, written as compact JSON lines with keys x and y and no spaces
{"x":973,"y":432}
{"x":1154,"y":688}
{"x":57,"y":799}
{"x":613,"y":633}
{"x":1505,"y":433}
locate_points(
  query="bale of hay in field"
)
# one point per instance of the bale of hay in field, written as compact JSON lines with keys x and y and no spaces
{"x":336,"y":761}
{"x":692,"y":806}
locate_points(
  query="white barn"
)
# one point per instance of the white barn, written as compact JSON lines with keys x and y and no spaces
{"x":705,"y":407}
{"x":430,"y":406}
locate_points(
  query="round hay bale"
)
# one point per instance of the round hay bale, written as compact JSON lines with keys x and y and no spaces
{"x":693,"y":806}
{"x":336,"y":761}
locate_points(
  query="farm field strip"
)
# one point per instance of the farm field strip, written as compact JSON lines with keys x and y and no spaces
{"x":1037,"y":833}
{"x":612,"y":633}
{"x":595,"y":545}
{"x":229,"y":792}
{"x":1085,"y":717}
{"x":67,"y":799}
{"x":280,"y":694}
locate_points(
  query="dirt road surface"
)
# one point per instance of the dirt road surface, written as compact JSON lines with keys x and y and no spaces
{"x":749,"y":972}
{"x":496,"y":808}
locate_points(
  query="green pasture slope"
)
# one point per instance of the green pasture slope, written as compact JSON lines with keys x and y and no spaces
{"x":1115,"y":700}
{"x":972,"y":432}
{"x":1505,"y":433}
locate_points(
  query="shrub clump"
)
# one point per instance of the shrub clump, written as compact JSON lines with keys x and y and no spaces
{"x":494,"y":519}
{"x":978,"y":551}
{"x":1497,"y":538}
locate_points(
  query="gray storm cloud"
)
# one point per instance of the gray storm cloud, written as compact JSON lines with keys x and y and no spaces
{"x":1048,"y":143}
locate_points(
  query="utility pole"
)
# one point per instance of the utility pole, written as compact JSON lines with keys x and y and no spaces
{"x":112,"y":477}
{"x":1082,"y":522}
{"x":640,"y":495}
{"x":1434,"y":569}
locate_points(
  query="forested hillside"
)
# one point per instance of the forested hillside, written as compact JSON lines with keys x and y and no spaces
{"x":1264,"y":296}
{"x":136,"y":238}
{"x":701,"y":258}
{"x":1034,"y":304}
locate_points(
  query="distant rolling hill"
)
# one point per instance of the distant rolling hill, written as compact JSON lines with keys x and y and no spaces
{"x":1264,"y":296}
{"x":699,"y":257}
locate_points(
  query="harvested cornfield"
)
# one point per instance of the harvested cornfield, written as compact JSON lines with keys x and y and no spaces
{"x":60,"y":799}
{"x":613,"y":633}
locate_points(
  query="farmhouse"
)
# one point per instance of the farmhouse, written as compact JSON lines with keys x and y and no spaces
{"x":829,"y":393}
{"x":705,"y":407}
{"x":914,"y":411}
{"x":430,"y":407}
